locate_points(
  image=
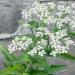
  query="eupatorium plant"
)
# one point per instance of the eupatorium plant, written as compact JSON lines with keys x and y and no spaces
{"x":43,"y":41}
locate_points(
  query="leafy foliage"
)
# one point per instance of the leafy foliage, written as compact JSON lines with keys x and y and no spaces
{"x":8,"y":58}
{"x":19,"y":65}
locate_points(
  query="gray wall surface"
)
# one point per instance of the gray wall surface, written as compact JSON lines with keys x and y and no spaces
{"x":9,"y":14}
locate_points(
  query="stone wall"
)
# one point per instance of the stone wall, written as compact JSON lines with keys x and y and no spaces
{"x":10,"y":13}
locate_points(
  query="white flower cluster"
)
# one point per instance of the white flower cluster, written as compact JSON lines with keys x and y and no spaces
{"x":19,"y":43}
{"x":62,"y":22}
{"x":26,"y":14}
{"x":65,"y":15}
{"x":68,"y":41}
{"x":41,"y":31}
{"x":39,"y":9}
{"x":50,"y":19}
{"x":43,"y":12}
{"x":44,"y":15}
{"x":61,"y":33}
{"x":65,"y":21}
{"x":60,"y":42}
{"x":65,"y":8}
{"x":39,"y":48}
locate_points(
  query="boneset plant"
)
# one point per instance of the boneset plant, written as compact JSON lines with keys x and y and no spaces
{"x":42,"y":42}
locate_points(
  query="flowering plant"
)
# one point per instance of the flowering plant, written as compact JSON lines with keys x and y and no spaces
{"x":51,"y":35}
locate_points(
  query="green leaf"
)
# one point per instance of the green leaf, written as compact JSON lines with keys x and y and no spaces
{"x":12,"y":70}
{"x":55,"y":28}
{"x":39,"y":62}
{"x":8,"y":58}
{"x":66,"y":56}
{"x":36,"y":24}
{"x":71,"y":34}
{"x":23,"y":58}
{"x":50,"y":70}
{"x":38,"y":72}
{"x":33,"y":24}
{"x":11,"y":59}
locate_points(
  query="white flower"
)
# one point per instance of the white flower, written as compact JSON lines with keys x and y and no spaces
{"x":53,"y":53}
{"x":42,"y":53}
{"x":68,"y":41}
{"x":52,"y":5}
{"x":39,"y":48}
{"x":39,"y":34}
{"x":61,"y":33}
{"x":60,"y":22}
{"x":12,"y":48}
{"x":16,"y":39}
{"x":57,"y":44}
{"x":51,"y":19}
{"x":20,"y":43}
{"x":61,"y":7}
{"x":41,"y":28}
{"x":33,"y":52}
{"x":68,"y":9}
{"x":59,"y":14}
{"x":26,"y":14}
{"x":41,"y":31}
{"x":42,"y":42}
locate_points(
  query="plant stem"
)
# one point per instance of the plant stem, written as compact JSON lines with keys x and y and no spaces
{"x":27,"y":67}
{"x":32,"y":32}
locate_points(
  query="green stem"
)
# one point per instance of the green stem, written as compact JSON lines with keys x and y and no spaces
{"x":32,"y":32}
{"x":27,"y":67}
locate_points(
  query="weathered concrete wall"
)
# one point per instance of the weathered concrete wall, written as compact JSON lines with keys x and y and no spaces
{"x":9,"y":14}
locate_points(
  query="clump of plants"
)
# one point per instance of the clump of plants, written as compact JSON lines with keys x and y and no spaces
{"x":42,"y":42}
